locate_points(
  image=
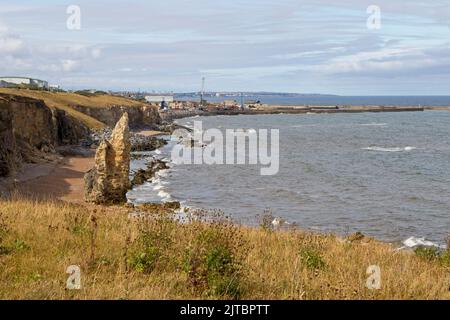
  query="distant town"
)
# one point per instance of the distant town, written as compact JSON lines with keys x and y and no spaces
{"x":220,"y":101}
{"x":166,"y":100}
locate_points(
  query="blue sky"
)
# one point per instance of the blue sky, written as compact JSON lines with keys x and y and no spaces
{"x":313,"y":46}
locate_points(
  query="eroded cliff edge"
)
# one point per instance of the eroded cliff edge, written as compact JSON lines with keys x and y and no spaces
{"x":30,"y":132}
{"x":33,"y":129}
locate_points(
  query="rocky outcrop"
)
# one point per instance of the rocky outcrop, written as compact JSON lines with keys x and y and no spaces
{"x":145,"y":143}
{"x":108,"y":182}
{"x":138,"y":141}
{"x":143,"y":115}
{"x":143,"y":175}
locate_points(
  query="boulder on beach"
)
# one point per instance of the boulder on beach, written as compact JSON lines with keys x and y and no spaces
{"x":108,"y":182}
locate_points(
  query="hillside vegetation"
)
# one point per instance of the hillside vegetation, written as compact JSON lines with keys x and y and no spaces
{"x":65,"y":101}
{"x":154,"y":257}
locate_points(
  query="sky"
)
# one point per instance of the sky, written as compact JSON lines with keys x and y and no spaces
{"x":303,"y":46}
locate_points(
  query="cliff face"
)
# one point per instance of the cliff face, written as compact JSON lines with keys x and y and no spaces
{"x":69,"y":130}
{"x":139,"y":116}
{"x":30,"y":131}
{"x":9,"y":156}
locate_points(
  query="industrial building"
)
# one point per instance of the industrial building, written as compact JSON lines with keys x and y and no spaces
{"x":159,"y":99}
{"x":163,"y":101}
{"x":6,"y":81}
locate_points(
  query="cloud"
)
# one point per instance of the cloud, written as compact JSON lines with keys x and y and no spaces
{"x":69,"y":65}
{"x":9,"y":43}
{"x":288,"y":45}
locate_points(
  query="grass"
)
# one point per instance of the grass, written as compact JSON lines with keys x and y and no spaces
{"x":65,"y":101}
{"x":154,"y":257}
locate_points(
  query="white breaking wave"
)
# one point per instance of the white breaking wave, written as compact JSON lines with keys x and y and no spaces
{"x":414,"y":242}
{"x":162,"y":173}
{"x":165,"y":196}
{"x":374,"y":124}
{"x":392,"y":149}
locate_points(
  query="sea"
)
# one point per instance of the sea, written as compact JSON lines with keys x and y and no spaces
{"x":386,"y":175}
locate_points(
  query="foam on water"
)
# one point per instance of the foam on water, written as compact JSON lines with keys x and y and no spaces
{"x":414,"y":242}
{"x":390,"y":149}
{"x":373,"y":124}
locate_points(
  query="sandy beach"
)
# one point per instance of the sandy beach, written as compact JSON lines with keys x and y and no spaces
{"x":62,"y":180}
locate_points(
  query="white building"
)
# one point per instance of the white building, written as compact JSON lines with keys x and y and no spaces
{"x":26,"y":81}
{"x":159,"y":99}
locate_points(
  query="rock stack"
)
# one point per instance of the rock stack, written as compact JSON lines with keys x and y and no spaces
{"x":108,"y":182}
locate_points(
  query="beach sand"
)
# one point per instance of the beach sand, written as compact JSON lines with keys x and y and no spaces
{"x":63,"y":180}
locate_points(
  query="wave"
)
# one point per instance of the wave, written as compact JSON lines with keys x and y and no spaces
{"x":165,"y":196}
{"x":373,"y":124}
{"x":391,"y":149}
{"x":414,"y":242}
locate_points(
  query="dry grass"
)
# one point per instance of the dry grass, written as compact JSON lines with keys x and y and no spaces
{"x":158,"y":258}
{"x":64,"y":101}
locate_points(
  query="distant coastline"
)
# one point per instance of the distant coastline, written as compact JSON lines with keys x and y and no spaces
{"x":290,"y":99}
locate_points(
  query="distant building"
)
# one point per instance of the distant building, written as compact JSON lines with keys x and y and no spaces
{"x":163,"y":101}
{"x":229,"y":103}
{"x":54,"y":87}
{"x":159,"y":99}
{"x":5,"y":81}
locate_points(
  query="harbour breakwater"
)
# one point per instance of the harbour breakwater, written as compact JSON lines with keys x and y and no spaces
{"x":171,"y":115}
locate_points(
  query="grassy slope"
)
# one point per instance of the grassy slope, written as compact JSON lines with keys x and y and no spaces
{"x":131,"y":258}
{"x":64,"y":101}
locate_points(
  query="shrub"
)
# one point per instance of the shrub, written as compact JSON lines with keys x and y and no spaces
{"x":213,"y":261}
{"x":77,"y":221}
{"x":434,"y":254}
{"x":144,"y":261}
{"x":20,"y":245}
{"x":266,"y":220}
{"x":152,"y":245}
{"x":445,"y":259}
{"x":312,"y":259}
{"x":427,"y":253}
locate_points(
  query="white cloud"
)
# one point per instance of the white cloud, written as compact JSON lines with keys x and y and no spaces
{"x":236,"y":44}
{"x":10,"y":45}
{"x":69,"y":65}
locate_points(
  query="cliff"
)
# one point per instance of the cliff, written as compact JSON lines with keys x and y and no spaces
{"x":140,"y":115}
{"x":97,"y":110}
{"x":33,"y":123}
{"x":30,"y":131}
